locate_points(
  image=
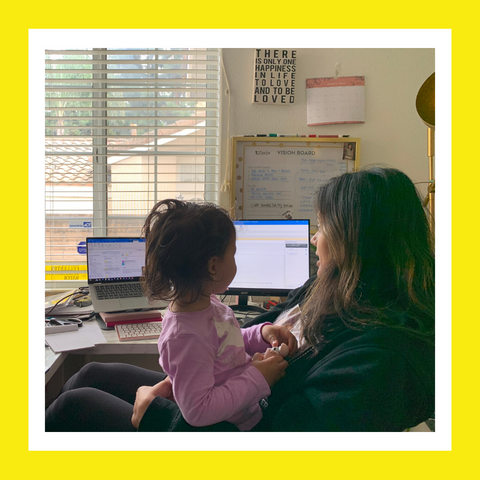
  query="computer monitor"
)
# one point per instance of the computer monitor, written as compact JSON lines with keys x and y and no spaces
{"x":272,"y":258}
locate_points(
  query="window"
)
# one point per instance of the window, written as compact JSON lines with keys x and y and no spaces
{"x":124,"y":129}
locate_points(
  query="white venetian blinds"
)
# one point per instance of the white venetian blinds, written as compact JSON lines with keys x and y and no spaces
{"x":124,"y":128}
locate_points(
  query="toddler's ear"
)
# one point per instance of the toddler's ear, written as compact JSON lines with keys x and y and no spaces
{"x":213,"y":266}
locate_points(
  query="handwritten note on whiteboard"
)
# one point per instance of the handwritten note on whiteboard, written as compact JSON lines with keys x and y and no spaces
{"x":335,"y":100}
{"x":279,"y":181}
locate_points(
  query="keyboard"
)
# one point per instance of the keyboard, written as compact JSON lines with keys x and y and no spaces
{"x":138,"y":331}
{"x":119,"y":290}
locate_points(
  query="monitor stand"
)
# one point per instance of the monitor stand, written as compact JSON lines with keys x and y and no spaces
{"x":243,"y":306}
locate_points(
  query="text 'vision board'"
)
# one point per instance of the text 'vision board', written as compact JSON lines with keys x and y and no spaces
{"x":278,"y":178}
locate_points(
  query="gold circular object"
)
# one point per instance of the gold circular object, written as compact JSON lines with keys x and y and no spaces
{"x":426,"y":101}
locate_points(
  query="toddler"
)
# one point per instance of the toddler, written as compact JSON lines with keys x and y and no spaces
{"x":215,"y":371}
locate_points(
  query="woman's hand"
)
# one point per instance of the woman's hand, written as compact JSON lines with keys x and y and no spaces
{"x":272,"y":368}
{"x":275,"y":335}
{"x":145,"y":395}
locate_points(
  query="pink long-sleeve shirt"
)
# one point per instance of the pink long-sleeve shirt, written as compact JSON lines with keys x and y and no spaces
{"x":208,"y":359}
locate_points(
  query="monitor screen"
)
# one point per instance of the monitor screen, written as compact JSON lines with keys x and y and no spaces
{"x":272,"y":256}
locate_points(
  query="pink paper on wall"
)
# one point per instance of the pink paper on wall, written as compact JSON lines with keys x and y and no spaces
{"x":335,"y":100}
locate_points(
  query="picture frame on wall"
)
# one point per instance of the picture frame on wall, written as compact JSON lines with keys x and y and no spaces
{"x":274,"y":76}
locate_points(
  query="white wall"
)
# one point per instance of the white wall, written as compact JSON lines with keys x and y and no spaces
{"x":393,"y":133}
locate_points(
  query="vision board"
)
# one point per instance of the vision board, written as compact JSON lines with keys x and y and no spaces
{"x":277,"y":177}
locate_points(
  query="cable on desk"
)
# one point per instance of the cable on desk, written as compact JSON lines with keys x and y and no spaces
{"x":84,"y":291}
{"x":61,"y":300}
{"x":86,"y":319}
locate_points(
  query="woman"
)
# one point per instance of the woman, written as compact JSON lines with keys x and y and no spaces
{"x":368,"y":318}
{"x":365,"y":325}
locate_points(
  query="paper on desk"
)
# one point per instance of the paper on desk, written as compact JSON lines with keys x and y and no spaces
{"x":92,"y":331}
{"x":87,"y":336}
{"x":66,"y":341}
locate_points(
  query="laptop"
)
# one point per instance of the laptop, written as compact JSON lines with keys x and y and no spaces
{"x":115,"y":268}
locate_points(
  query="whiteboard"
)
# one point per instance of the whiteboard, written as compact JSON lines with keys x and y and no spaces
{"x":277,"y":178}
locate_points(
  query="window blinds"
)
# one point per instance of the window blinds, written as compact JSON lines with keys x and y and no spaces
{"x":124,"y":128}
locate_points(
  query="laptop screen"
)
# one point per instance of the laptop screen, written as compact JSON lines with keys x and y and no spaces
{"x":115,"y":259}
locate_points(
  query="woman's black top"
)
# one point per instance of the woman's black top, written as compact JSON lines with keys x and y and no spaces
{"x":377,"y":379}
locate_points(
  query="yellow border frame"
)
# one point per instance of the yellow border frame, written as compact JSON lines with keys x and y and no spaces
{"x":461,"y":460}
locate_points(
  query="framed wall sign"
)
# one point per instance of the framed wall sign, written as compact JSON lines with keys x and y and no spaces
{"x":274,"y":76}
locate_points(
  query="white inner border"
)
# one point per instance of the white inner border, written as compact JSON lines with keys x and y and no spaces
{"x":39,"y":41}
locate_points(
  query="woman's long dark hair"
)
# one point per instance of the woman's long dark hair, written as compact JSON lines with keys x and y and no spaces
{"x":181,"y":237}
{"x":382,"y":265}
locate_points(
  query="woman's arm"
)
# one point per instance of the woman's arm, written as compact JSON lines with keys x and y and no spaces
{"x":366,"y":389}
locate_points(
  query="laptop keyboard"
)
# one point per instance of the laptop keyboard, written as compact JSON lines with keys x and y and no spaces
{"x":118,"y":290}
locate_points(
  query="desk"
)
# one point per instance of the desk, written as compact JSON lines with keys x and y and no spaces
{"x":53,"y":361}
{"x":59,"y":367}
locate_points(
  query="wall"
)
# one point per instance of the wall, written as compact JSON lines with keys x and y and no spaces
{"x":393,"y":133}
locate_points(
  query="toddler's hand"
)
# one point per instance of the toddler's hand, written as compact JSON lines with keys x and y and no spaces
{"x":277,"y":334}
{"x":164,"y":389}
{"x":145,"y":396}
{"x":272,"y":366}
